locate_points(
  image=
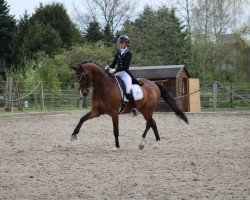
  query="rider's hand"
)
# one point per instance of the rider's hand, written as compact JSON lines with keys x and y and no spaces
{"x":107,"y":68}
{"x":111,"y":71}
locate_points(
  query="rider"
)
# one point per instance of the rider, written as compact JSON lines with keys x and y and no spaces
{"x":122,"y":60}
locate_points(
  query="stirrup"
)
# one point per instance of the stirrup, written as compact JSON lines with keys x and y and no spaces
{"x":135,"y":112}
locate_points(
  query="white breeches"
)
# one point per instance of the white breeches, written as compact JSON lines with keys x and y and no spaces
{"x":127,"y":80}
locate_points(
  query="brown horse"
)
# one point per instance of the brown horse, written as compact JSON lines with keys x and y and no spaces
{"x":107,"y":99}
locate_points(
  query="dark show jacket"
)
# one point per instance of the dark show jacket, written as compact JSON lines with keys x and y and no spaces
{"x":123,"y":62}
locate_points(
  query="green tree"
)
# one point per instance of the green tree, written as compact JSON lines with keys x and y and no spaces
{"x":157,"y":37}
{"x":41,"y":37}
{"x":48,"y":29}
{"x":93,"y":33}
{"x":34,"y":37}
{"x":55,"y":15}
{"x":18,"y":49}
{"x":7,"y":27}
{"x":57,"y":68}
{"x":108,"y":37}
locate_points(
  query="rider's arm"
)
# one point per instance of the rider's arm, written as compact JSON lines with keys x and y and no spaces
{"x":114,"y":62}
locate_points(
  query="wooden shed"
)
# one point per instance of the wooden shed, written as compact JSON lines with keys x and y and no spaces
{"x":177,"y":81}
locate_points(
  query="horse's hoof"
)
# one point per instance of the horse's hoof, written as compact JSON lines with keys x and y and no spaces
{"x":142,"y":143}
{"x":141,"y":146}
{"x":73,"y":137}
{"x":115,"y":149}
{"x":157,"y":145}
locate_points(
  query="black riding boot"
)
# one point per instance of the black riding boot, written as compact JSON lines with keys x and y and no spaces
{"x":132,"y":103}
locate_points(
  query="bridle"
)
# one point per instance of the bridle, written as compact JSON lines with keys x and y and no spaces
{"x":85,"y":75}
{"x":80,"y":76}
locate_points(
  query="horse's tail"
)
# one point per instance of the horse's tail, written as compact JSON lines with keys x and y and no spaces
{"x":170,"y":101}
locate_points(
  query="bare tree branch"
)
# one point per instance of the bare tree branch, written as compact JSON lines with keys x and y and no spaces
{"x":107,"y":12}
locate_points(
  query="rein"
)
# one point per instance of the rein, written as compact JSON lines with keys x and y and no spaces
{"x":84,"y":73}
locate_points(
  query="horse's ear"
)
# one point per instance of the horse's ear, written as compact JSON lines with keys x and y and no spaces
{"x":74,"y":67}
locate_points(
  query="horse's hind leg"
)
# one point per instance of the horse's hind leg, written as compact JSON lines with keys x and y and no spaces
{"x":142,"y":142}
{"x":150,"y":124}
{"x":148,"y":117}
{"x":89,"y":115}
{"x":154,"y":127}
{"x":157,"y":137}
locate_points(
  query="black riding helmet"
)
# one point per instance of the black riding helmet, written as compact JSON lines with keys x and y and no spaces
{"x":123,"y":38}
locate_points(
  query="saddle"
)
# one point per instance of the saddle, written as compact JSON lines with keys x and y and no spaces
{"x":136,"y":90}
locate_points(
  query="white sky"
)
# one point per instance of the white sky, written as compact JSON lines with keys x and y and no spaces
{"x":17,"y":7}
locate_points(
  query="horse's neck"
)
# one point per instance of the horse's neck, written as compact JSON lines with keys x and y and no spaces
{"x":98,"y":75}
{"x":101,"y":80}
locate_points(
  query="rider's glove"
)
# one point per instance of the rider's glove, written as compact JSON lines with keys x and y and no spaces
{"x":111,"y":71}
{"x":107,"y":68}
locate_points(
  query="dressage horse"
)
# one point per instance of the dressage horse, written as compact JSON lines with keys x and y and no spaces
{"x":107,"y":99}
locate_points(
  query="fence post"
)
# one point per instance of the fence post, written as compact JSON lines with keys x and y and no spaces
{"x":18,"y":95}
{"x":35,"y":99}
{"x":41,"y":96}
{"x":9,"y":87}
{"x":215,"y":95}
{"x":231,"y":96}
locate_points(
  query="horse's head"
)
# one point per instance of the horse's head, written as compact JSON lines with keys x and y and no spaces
{"x":83,"y":78}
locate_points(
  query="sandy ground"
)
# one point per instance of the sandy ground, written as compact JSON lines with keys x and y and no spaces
{"x":207,"y":159}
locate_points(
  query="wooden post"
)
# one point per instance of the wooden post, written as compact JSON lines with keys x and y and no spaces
{"x":18,"y":95}
{"x":228,"y":93}
{"x":215,"y":95}
{"x":231,"y":96}
{"x":9,"y":87}
{"x":41,"y":96}
{"x":35,"y":99}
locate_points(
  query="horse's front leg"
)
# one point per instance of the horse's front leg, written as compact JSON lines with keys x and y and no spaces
{"x":115,"y":120}
{"x":91,"y":114}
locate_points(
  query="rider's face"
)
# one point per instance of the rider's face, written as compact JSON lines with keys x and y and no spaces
{"x":122,"y":45}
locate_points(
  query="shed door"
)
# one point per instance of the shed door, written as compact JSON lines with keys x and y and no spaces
{"x":194,"y":99}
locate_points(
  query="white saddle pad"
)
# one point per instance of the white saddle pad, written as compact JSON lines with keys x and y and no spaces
{"x":136,"y":90}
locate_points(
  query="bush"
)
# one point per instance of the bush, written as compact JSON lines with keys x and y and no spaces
{"x":55,"y":72}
